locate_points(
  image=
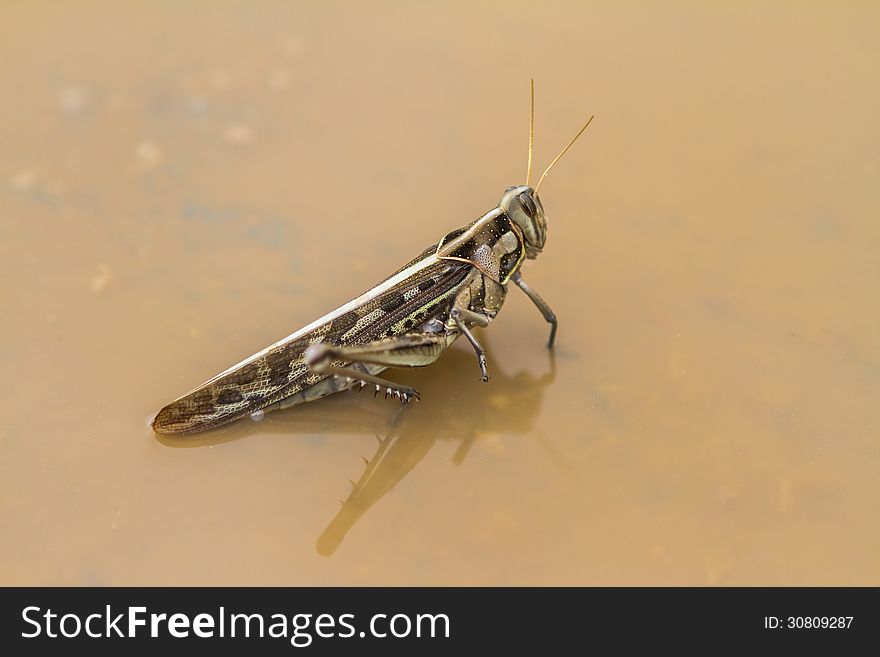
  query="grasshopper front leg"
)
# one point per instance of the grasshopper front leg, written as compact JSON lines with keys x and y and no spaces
{"x":546,"y":311}
{"x":408,"y":350}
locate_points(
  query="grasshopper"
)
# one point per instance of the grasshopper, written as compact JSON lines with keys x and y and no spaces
{"x":407,"y":320}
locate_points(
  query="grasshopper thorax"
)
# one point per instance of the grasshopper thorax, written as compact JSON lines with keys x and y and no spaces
{"x":525,"y":210}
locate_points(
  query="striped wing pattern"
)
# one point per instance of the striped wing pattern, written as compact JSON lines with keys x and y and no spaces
{"x":280,"y":371}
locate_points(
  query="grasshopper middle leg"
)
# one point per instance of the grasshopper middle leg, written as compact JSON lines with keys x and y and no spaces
{"x":461,"y":316}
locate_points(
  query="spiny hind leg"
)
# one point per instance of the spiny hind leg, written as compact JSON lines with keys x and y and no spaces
{"x":328,"y":386}
{"x":407,"y":350}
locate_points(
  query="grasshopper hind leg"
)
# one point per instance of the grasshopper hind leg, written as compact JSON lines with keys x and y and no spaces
{"x":408,"y":350}
{"x":329,"y":386}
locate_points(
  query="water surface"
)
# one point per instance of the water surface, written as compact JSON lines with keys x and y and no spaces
{"x":182,"y":185}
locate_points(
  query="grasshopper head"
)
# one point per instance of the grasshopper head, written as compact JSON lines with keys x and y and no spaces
{"x":521,"y":202}
{"x":525,"y":210}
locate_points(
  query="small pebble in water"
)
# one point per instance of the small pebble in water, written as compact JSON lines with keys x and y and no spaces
{"x":23,"y":180}
{"x":102,"y":278}
{"x":238,"y":133}
{"x":149,"y":154}
{"x":72,"y":100}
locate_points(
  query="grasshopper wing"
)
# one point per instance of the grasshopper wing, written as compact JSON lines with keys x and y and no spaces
{"x":280,"y":371}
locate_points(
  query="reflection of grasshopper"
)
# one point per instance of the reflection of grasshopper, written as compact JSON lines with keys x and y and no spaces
{"x":511,"y":409}
{"x":407,"y":320}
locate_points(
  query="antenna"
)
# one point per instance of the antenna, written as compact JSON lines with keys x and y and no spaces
{"x":531,"y":135}
{"x":547,"y":170}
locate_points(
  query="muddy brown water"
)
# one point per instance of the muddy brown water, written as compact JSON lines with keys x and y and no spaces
{"x":181,"y":186}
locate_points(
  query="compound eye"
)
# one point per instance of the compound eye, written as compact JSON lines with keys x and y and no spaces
{"x":528,"y":204}
{"x":510,"y":189}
